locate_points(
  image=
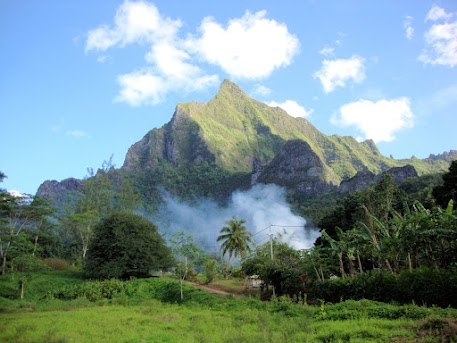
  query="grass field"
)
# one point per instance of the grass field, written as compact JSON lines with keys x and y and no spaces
{"x":159,"y":322}
{"x":149,"y":311}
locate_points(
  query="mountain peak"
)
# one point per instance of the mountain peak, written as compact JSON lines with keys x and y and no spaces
{"x":231,"y":89}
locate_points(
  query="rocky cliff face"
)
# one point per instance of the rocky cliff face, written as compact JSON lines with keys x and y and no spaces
{"x":50,"y":188}
{"x":449,"y":156}
{"x":365,"y":179}
{"x":58,"y":191}
{"x":178,"y":142}
{"x":298,"y":166}
{"x":358,"y":182}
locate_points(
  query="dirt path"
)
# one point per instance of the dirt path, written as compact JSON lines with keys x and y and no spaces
{"x":211,"y":290}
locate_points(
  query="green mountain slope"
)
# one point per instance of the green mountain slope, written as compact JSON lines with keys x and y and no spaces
{"x":233,"y":130}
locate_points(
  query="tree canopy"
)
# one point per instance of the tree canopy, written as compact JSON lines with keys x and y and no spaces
{"x":126,"y":245}
{"x":447,"y":191}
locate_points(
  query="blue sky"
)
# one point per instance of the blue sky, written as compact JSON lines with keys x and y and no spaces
{"x":83,"y":80}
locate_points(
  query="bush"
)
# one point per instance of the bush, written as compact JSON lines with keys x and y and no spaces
{"x":210,"y":269}
{"x":92,"y":291}
{"x":126,"y":245}
{"x":441,"y":329}
{"x":422,"y":286}
{"x":57,"y":263}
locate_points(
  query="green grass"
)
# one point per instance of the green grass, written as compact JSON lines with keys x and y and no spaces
{"x":159,"y":322}
{"x":150,"y":311}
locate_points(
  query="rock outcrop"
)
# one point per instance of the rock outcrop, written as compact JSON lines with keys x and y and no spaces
{"x":365,"y":179}
{"x":178,"y":142}
{"x":59,"y":192}
{"x":298,"y":166}
{"x":51,"y":189}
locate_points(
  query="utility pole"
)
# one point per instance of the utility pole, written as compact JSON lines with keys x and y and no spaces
{"x":271,"y":253}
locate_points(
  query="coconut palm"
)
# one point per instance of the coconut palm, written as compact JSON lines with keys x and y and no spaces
{"x":235,"y":239}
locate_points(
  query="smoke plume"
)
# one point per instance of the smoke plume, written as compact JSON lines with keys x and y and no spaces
{"x":263,"y":207}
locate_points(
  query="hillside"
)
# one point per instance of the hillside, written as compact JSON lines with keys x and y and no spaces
{"x":233,"y":142}
{"x":234,"y":132}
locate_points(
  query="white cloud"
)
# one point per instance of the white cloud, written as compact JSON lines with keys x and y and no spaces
{"x":337,"y":73}
{"x":17,"y":194}
{"x":377,"y":120}
{"x":408,"y":26}
{"x":141,"y":87}
{"x":327,"y":51}
{"x":144,"y":87}
{"x":171,"y":67}
{"x":440,"y":39}
{"x":250,"y":47}
{"x":445,"y":98}
{"x":440,"y":102}
{"x":135,"y":22}
{"x":437,"y":13}
{"x":102,"y":58}
{"x":261,"y":90}
{"x":77,"y":133}
{"x":172,"y":72}
{"x":172,"y":64}
{"x":292,"y":108}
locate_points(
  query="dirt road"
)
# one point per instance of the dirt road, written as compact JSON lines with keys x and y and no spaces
{"x":212,"y":290}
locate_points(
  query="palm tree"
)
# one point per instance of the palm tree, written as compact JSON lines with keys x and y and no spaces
{"x":235,"y":239}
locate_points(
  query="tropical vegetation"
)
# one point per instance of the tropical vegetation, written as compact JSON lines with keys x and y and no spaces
{"x":390,"y":244}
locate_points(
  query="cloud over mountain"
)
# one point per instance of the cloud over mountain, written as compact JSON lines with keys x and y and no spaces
{"x":339,"y":72}
{"x":379,"y":120}
{"x":249,"y":47}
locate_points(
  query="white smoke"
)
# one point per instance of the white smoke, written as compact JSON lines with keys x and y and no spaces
{"x":263,"y":207}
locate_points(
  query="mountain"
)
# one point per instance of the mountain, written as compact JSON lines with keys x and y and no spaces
{"x":235,"y":132}
{"x":233,"y":141}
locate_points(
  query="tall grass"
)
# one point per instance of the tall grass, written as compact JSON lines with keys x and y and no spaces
{"x":156,"y":321}
{"x":70,"y":309}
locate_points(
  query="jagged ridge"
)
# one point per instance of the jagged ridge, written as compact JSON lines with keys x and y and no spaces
{"x":233,"y":130}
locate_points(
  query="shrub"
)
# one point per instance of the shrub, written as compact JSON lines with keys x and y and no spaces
{"x":441,"y":329}
{"x":422,"y":286}
{"x":210,"y":269}
{"x":57,"y":263}
{"x":126,"y":245}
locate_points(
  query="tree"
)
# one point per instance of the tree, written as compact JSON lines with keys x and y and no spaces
{"x":286,"y":272}
{"x":185,"y":251}
{"x":81,"y":225}
{"x":338,"y":248}
{"x":235,"y":239}
{"x":24,"y":261}
{"x":126,"y":245}
{"x":447,"y":191}
{"x":102,"y":194}
{"x":19,"y":214}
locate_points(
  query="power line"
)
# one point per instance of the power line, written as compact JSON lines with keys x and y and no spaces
{"x":274,"y":225}
{"x":260,"y":231}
